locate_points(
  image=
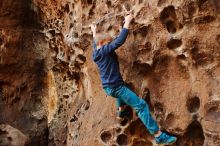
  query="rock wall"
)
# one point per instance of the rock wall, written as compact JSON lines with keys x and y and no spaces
{"x":50,"y":90}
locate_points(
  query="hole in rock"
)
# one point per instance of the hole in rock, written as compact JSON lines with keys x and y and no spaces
{"x":71,"y":13}
{"x":66,"y":96}
{"x":171,"y":28}
{"x":194,"y":135}
{"x":110,"y":28}
{"x":82,"y":58}
{"x":122,"y":139}
{"x":1,"y":41}
{"x":91,"y":12}
{"x":218,"y":39}
{"x":128,"y":113}
{"x":9,"y":138}
{"x":124,"y":122}
{"x":168,"y":12}
{"x":169,"y":19}
{"x":182,"y":57}
{"x":52,"y":32}
{"x":118,"y":130}
{"x":109,"y":3}
{"x":1,"y":90}
{"x":67,"y":8}
{"x":170,"y":119}
{"x":3,"y":132}
{"x":74,"y":118}
{"x":174,"y":43}
{"x":193,"y":104}
{"x":106,"y":136}
{"x":86,"y":105}
{"x":142,"y":68}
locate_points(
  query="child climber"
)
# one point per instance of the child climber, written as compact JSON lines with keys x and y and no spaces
{"x":107,"y":61}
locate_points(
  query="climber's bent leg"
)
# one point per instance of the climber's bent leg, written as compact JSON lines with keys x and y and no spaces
{"x":120,"y":104}
{"x":141,"y":107}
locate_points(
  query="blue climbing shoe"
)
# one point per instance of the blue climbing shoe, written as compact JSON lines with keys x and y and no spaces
{"x":165,"y":139}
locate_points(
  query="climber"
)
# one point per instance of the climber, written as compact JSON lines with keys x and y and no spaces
{"x":107,"y":61}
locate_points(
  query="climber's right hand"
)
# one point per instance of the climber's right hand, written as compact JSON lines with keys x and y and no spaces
{"x":93,"y":27}
{"x":129,"y":18}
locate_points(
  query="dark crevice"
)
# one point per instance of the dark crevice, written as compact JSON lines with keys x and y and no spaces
{"x":194,"y":135}
{"x":218,"y":39}
{"x":106,"y":136}
{"x":109,"y":3}
{"x":169,"y":19}
{"x":141,"y":68}
{"x":124,"y":121}
{"x":171,"y":26}
{"x":30,"y":17}
{"x":1,"y":41}
{"x":181,"y":57}
{"x":193,"y":104}
{"x":127,"y":116}
{"x":66,"y":8}
{"x":122,"y":139}
{"x":174,"y":43}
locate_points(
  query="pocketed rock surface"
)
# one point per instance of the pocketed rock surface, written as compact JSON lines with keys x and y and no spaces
{"x":50,"y":90}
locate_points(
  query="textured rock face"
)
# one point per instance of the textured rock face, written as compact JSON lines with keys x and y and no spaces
{"x":50,"y":89}
{"x":11,"y":136}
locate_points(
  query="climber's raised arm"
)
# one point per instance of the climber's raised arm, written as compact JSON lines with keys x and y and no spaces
{"x":128,"y":20}
{"x":116,"y":43}
{"x":93,"y":29}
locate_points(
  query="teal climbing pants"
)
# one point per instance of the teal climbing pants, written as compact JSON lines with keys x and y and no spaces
{"x":125,"y":96}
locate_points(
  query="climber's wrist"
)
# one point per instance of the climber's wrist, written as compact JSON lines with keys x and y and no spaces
{"x":93,"y":34}
{"x":126,"y":25}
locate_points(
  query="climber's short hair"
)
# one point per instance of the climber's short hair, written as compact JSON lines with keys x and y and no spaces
{"x":101,"y":38}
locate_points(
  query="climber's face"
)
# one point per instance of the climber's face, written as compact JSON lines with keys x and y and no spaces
{"x":102,"y":39}
{"x":105,"y":41}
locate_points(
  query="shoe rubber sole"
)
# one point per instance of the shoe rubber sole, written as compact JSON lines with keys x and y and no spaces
{"x":155,"y":144}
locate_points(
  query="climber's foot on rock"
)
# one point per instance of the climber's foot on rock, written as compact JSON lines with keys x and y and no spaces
{"x":165,"y":139}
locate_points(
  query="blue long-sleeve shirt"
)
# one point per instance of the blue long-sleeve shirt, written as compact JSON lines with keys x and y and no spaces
{"x":107,"y":61}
